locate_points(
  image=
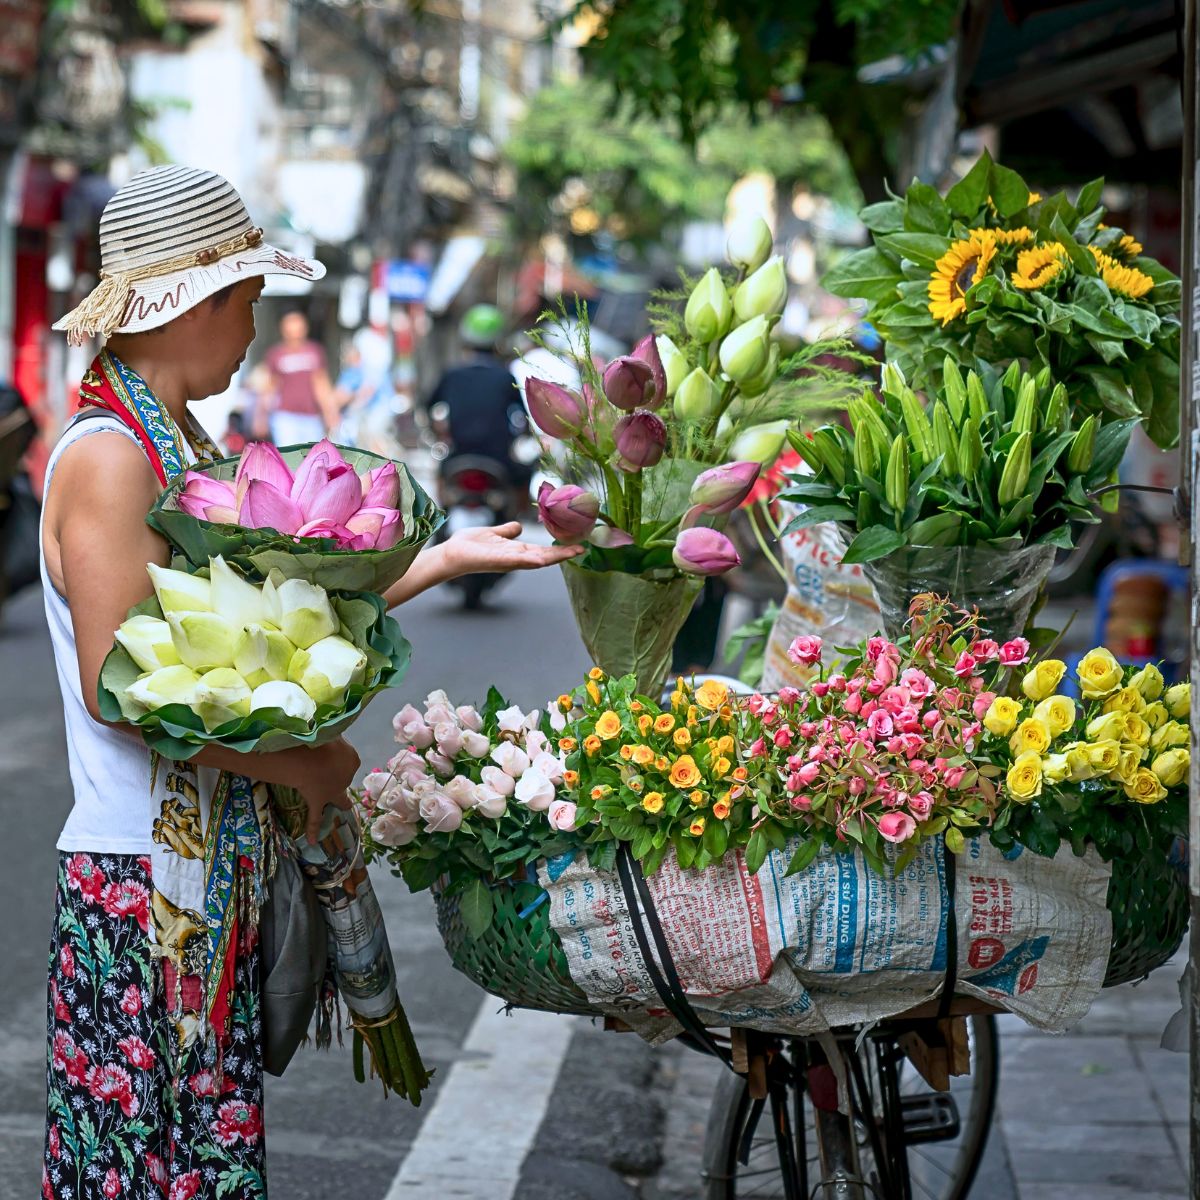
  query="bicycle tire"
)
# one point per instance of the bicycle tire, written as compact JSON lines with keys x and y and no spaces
{"x":731,"y":1104}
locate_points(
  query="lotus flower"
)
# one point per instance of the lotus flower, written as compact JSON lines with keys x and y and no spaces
{"x":239,"y":602}
{"x":703,"y":551}
{"x":167,"y":685}
{"x":148,"y":642}
{"x":221,"y":695}
{"x":305,"y":614}
{"x":262,"y":655}
{"x":178,"y":591}
{"x":708,"y":310}
{"x":697,"y":397}
{"x":327,"y":668}
{"x":261,"y":460}
{"x":555,"y":410}
{"x":629,"y":383}
{"x":290,"y":697}
{"x":203,"y":641}
{"x":746,"y":350}
{"x":674,"y":361}
{"x":328,"y":491}
{"x":375,"y":528}
{"x":568,"y":512}
{"x":609,"y":538}
{"x":722,"y":489}
{"x":381,"y":487}
{"x":322,"y":528}
{"x":208,"y":499}
{"x":760,"y":443}
{"x":749,"y":244}
{"x":641,"y":438}
{"x":764,"y":293}
{"x":264,"y":506}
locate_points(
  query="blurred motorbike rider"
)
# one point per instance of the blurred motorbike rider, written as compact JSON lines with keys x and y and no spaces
{"x":476,"y":406}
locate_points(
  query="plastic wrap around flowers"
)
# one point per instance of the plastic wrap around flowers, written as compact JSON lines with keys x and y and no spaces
{"x":214,"y":658}
{"x":338,"y":517}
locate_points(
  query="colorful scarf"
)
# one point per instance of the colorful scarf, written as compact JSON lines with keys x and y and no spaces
{"x":211,"y":857}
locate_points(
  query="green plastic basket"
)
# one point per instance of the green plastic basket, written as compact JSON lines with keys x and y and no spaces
{"x":520,"y":959}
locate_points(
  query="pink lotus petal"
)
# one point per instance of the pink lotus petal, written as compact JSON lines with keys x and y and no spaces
{"x":323,"y":452}
{"x":383,"y":489}
{"x":382,"y":527}
{"x":326,"y":529}
{"x":195,"y":506}
{"x":330,"y":493}
{"x":261,"y":460}
{"x":206,"y":488}
{"x":265,"y":507}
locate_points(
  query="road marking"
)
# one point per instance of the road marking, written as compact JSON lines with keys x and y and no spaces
{"x":488,"y":1110}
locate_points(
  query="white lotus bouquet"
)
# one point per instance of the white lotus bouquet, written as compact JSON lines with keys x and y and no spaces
{"x":214,"y":657}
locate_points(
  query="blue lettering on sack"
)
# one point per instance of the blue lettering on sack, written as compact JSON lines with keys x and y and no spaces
{"x":847,"y":912}
{"x":1004,"y":975}
{"x":1013,"y":852}
{"x":558,"y":864}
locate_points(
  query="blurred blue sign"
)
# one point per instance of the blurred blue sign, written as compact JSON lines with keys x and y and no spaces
{"x":406,"y":281}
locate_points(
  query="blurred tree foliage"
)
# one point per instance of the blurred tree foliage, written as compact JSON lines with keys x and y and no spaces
{"x":686,"y":61}
{"x":590,"y":156}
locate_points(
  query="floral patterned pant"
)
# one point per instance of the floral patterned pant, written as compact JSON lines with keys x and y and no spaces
{"x":119,"y":1122}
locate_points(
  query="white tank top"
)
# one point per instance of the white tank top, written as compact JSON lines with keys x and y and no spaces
{"x":110,"y":771}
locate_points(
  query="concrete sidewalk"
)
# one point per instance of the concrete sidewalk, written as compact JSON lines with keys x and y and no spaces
{"x":1099,"y":1113}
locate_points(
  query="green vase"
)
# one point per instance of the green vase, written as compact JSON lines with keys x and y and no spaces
{"x":629,"y":622}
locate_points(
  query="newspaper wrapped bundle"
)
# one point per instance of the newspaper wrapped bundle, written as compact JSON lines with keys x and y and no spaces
{"x":315,"y":559}
{"x":360,"y":956}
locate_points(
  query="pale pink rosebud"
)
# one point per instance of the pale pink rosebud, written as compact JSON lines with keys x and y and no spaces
{"x":561,"y":815}
{"x":702,"y":551}
{"x":640,"y":438}
{"x":788,"y":696}
{"x":965,"y":666}
{"x":440,"y":813}
{"x":819,"y":689}
{"x":920,"y":805}
{"x":982,"y":703}
{"x":568,"y":512}
{"x":554,"y":410}
{"x":805,"y":650}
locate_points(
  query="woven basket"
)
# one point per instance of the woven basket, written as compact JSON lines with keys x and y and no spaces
{"x":521,"y":959}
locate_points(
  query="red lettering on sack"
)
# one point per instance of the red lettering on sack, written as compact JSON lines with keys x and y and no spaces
{"x":985,"y":952}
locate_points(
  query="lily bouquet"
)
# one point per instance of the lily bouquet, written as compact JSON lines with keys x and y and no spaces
{"x":345,"y":519}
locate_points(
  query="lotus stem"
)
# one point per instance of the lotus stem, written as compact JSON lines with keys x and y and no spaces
{"x":762,"y":545}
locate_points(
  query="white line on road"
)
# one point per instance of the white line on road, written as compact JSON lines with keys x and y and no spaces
{"x":488,"y":1110}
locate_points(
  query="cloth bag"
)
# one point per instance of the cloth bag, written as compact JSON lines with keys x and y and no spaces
{"x":295,"y":950}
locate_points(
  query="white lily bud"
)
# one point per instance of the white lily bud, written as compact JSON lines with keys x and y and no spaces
{"x":760,"y":443}
{"x":674,"y":362}
{"x":697,"y":398}
{"x":167,"y":685}
{"x":290,"y":697}
{"x":749,"y":244}
{"x":238,"y":601}
{"x":746,"y":350}
{"x":764,"y":293}
{"x":708,"y":310}
{"x":178,"y":591}
{"x":222,"y":695}
{"x":305,"y":616}
{"x":326,"y":669}
{"x":148,"y":642}
{"x":261,"y":655}
{"x":203,"y":640}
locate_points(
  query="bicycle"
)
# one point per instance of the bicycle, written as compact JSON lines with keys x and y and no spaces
{"x":776,"y":1133}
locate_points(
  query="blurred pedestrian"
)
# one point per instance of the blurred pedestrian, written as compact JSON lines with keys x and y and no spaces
{"x":299,"y":406}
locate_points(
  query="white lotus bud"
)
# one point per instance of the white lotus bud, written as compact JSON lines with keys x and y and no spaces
{"x":760,"y":443}
{"x":222,"y":695}
{"x":708,"y":311}
{"x":697,"y":398}
{"x":326,"y":669}
{"x":148,"y":642}
{"x":746,"y":350}
{"x":262,"y":654}
{"x":178,"y":591}
{"x":167,"y":685}
{"x":203,"y":640}
{"x":764,"y":293}
{"x":749,"y":244}
{"x":290,"y":697}
{"x":238,"y":601}
{"x":674,"y":361}
{"x":305,"y":614}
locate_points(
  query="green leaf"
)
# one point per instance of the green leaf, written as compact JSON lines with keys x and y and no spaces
{"x":966,"y":197}
{"x":1111,"y":443}
{"x":818,"y":515}
{"x":476,"y":908}
{"x":804,"y":856}
{"x":873,"y":543}
{"x":1089,"y":197}
{"x":955,"y":842}
{"x":925,"y":210}
{"x":1111,"y":390}
{"x":1010,"y":193}
{"x":885,"y":217}
{"x":921,"y":248}
{"x":1162,"y":371}
{"x":867,"y":274}
{"x":756,"y":852}
{"x":716,"y":838}
{"x":685,"y":851}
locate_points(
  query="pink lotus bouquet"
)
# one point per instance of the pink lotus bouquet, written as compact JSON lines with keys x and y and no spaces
{"x":344,"y":519}
{"x":881,"y":750}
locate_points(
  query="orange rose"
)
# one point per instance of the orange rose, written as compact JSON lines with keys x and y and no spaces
{"x":567,"y":744}
{"x":627,"y":752}
{"x":664,"y":723}
{"x":661,"y":763}
{"x":565,"y":702}
{"x":740,"y":774}
{"x":685,"y":774}
{"x":570,"y":778}
{"x":591,"y":744}
{"x":720,"y":810}
{"x":645,"y":724}
{"x":696,"y":828}
{"x":697,"y":799}
{"x":681,"y":738}
{"x":635,"y":706}
{"x":596,"y":674}
{"x":608,"y":725}
{"x":599,"y":791}
{"x":643,"y":755}
{"x":652,"y":802}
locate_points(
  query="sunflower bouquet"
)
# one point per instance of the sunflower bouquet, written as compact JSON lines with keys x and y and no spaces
{"x":1109,"y":768}
{"x":995,"y":272}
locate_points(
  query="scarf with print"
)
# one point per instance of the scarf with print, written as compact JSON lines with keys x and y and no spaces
{"x":210,"y":856}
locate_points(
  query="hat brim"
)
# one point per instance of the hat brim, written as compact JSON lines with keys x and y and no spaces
{"x":154,"y":302}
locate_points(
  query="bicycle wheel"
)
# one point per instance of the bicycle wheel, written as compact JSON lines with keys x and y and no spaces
{"x":939,"y":1168}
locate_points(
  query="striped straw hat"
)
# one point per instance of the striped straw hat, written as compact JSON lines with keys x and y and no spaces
{"x":170,"y":238}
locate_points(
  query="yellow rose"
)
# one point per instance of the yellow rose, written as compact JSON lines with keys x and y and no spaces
{"x":570,"y":778}
{"x":1171,"y":767}
{"x":593,"y":692}
{"x":652,"y":802}
{"x":1032,"y":734}
{"x":635,"y":783}
{"x":1024,"y":779}
{"x":1105,"y":756}
{"x":721,"y":767}
{"x":643,"y":755}
{"x":697,"y":799}
{"x":608,"y":725}
{"x":661,"y":762}
{"x":596,"y":674}
{"x":711,"y":695}
{"x":567,"y":744}
{"x":1041,"y":680}
{"x":685,"y":774}
{"x":693,"y":714}
{"x":645,"y":723}
{"x":696,"y":828}
{"x":565,"y":702}
{"x":591,"y":744}
{"x":1170,"y":734}
{"x":664,"y":723}
{"x":1156,"y":714}
{"x":1178,"y":700}
{"x":1128,"y":699}
{"x":1107,"y":728}
{"x":681,"y":738}
{"x":1058,"y":713}
{"x":1148,"y":681}
{"x":1136,"y":730}
{"x":1001,"y":718}
{"x":1128,"y":764}
{"x":627,"y":752}
{"x":678,"y":699}
{"x":1079,"y":764}
{"x":1099,"y":674}
{"x":725,"y":745}
{"x":1055,"y":768}
{"x":1145,"y":787}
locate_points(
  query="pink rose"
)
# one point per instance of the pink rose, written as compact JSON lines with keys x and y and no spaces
{"x":449,"y":738}
{"x":805,"y":650}
{"x":965,"y":666}
{"x":491,"y":803}
{"x":982,"y":703}
{"x":953,"y":776}
{"x":469,"y":718}
{"x":561,"y":815}
{"x":809,"y":773}
{"x":783,"y":737}
{"x":389,"y":829}
{"x":440,"y":763}
{"x":879,"y":724}
{"x":462,"y":791}
{"x":918,"y":683}
{"x":439,"y":812}
{"x":819,"y":689}
{"x":803,"y":803}
{"x":853,"y":703}
{"x":985,"y":649}
{"x":758,"y":748}
{"x":477,"y":745}
{"x":788,"y":696}
{"x":837,"y":682}
{"x":857,"y":785}
{"x":1014,"y":653}
{"x":412,"y":729}
{"x":920,"y":805}
{"x":896,"y":826}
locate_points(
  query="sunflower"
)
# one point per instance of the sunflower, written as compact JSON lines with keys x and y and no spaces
{"x":962,"y":266}
{"x":1034,"y":198}
{"x":1128,"y":248}
{"x":1125,"y":281}
{"x":1007,"y":237}
{"x":1037,"y":266}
